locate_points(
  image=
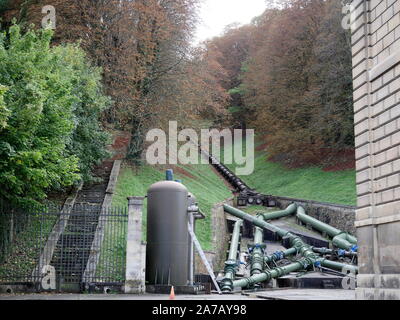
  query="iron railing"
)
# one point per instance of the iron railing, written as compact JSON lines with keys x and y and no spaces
{"x":65,"y":249}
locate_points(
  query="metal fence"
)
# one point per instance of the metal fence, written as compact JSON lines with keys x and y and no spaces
{"x":67,"y":250}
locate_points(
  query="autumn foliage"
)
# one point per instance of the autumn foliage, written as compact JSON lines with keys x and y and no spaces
{"x":150,"y":69}
{"x":290,"y":78}
{"x":287,"y":74}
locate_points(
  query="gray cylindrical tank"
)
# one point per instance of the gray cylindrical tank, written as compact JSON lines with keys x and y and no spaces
{"x":167,"y":255}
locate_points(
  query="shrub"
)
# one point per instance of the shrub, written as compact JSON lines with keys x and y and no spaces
{"x":4,"y":112}
{"x":54,"y":98}
{"x":88,"y":139}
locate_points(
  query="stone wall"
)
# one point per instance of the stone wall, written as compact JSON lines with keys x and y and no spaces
{"x":220,"y":238}
{"x":338,"y":216}
{"x":376,"y":72}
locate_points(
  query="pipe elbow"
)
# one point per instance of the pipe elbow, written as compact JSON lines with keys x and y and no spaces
{"x":291,"y":208}
{"x":341,"y":241}
{"x":300,"y":210}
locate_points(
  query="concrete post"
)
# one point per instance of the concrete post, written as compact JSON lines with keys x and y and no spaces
{"x":135,"y":248}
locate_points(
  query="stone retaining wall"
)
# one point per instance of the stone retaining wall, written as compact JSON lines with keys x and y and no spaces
{"x":338,"y":216}
{"x":220,"y":238}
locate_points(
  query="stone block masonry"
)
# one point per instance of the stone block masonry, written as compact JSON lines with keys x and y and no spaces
{"x":376,"y":78}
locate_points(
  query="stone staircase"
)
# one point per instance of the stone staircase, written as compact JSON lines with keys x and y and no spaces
{"x":73,"y":247}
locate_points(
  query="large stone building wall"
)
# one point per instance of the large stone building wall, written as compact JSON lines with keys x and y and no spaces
{"x":376,"y":74}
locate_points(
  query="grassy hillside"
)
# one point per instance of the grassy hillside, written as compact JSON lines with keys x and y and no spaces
{"x":306,"y":183}
{"x":271,"y":178}
{"x":200,"y":180}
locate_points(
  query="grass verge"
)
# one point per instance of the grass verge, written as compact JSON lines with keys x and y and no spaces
{"x":25,"y":249}
{"x":200,"y":180}
{"x":310,"y":183}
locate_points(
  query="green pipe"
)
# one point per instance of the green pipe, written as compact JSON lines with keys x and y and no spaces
{"x":235,"y":241}
{"x":342,"y":267}
{"x":254,"y":220}
{"x":351,"y":239}
{"x":295,"y":241}
{"x":298,"y":246}
{"x":259,"y":233}
{"x":291,"y":209}
{"x":257,"y":254}
{"x":320,"y":226}
{"x":339,"y":252}
{"x":322,"y":250}
{"x":279,"y":255}
{"x":271,"y":274}
{"x":231,"y":263}
{"x":340,"y":239}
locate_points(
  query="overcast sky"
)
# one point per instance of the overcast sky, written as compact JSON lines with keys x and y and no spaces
{"x":216,"y":14}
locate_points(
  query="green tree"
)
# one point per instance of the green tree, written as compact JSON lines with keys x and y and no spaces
{"x":51,"y":93}
{"x":88,"y":139}
{"x":4,"y":112}
{"x":299,"y":82}
{"x":3,"y":4}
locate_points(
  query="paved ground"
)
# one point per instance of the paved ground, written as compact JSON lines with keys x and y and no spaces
{"x":123,"y":297}
{"x":304,"y":294}
{"x":277,"y":294}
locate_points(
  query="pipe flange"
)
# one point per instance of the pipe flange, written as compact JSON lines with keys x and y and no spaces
{"x":226,"y":285}
{"x":307,"y":262}
{"x":354,"y":248}
{"x":278,"y":255}
{"x":230,"y":266}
